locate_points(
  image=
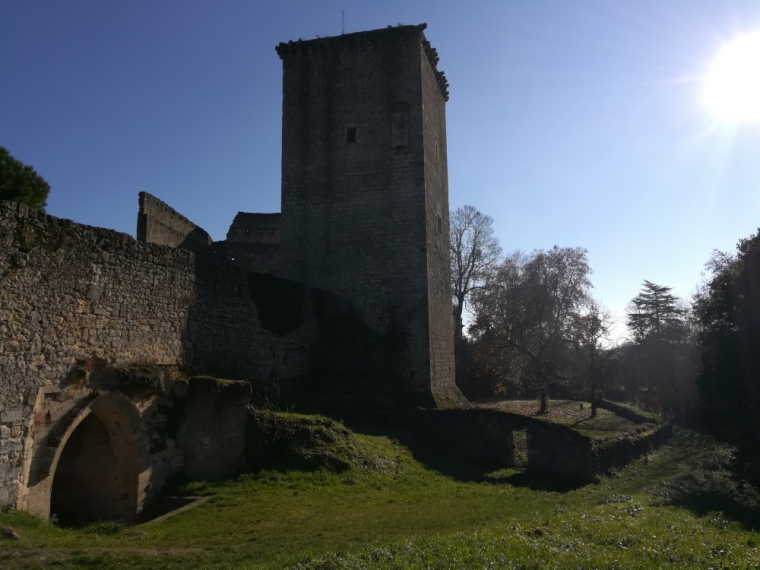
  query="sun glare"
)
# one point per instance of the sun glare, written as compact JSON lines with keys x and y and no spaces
{"x":732,"y":85}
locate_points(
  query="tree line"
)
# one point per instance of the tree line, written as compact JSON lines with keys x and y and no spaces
{"x":535,"y":330}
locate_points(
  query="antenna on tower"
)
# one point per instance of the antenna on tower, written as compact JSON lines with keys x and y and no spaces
{"x":343,"y":27}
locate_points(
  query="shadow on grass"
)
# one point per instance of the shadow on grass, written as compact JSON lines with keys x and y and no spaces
{"x":442,"y":459}
{"x":705,"y":505}
{"x":537,"y":481}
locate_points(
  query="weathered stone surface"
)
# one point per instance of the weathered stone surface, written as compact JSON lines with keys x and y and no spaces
{"x":256,"y":257}
{"x":485,"y":437}
{"x":159,"y":223}
{"x":365,"y":191}
{"x":255,"y":228}
{"x":90,"y":300}
{"x":213,"y":433}
{"x":92,"y":322}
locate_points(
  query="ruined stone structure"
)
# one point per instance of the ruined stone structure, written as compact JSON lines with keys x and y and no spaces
{"x":76,"y":299}
{"x":95,"y":325}
{"x":159,"y":223}
{"x":255,"y":228}
{"x":253,"y":242}
{"x":365,"y":210}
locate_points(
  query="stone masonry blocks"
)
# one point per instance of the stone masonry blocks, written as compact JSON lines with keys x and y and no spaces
{"x":365,"y":189}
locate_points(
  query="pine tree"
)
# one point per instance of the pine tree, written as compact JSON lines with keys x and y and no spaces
{"x":654,"y":311}
{"x":20,"y":183}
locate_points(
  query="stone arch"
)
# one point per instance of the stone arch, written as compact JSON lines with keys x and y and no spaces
{"x":93,"y":463}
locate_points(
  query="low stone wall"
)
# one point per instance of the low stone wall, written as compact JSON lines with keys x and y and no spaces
{"x":212,"y":435}
{"x":623,"y":412}
{"x":484,"y":437}
{"x":619,"y":452}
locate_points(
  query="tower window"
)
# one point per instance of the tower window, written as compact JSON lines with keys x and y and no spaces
{"x":350,"y":135}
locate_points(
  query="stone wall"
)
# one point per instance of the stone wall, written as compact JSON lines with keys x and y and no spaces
{"x":624,"y":412}
{"x":256,"y":257}
{"x":484,"y":437}
{"x":102,"y":443}
{"x":255,"y":228}
{"x":72,"y":294}
{"x":159,"y":223}
{"x":619,"y":452}
{"x":440,"y":317}
{"x":212,"y":435}
{"x":355,"y":191}
{"x":253,"y":243}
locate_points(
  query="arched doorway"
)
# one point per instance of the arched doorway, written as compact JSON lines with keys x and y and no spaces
{"x":96,"y":471}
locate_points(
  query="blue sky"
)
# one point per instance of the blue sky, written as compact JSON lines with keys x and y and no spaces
{"x":570,"y":123}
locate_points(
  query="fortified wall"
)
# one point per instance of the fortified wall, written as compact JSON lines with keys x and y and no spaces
{"x":103,"y":338}
{"x":73,"y":296}
{"x":76,"y":300}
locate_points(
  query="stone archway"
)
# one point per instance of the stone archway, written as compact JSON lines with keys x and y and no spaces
{"x":96,"y":476}
{"x":92,"y":465}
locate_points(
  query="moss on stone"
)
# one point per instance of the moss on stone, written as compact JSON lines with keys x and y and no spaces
{"x":282,"y":440}
{"x":235,"y":391}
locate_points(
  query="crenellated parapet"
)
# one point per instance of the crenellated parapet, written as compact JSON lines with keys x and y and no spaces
{"x":361,"y":40}
{"x":432,"y":55}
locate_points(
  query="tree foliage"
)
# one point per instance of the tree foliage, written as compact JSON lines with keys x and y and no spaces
{"x":654,"y":311}
{"x":662,"y":357}
{"x":474,"y":251}
{"x":727,"y":308}
{"x":20,"y":183}
{"x":527,"y":307}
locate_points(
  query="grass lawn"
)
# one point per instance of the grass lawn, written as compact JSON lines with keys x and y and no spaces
{"x":655,"y":514}
{"x":567,"y":412}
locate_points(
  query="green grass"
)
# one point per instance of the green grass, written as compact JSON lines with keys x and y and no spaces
{"x":636,"y":408}
{"x":653,"y":515}
{"x":605,"y":425}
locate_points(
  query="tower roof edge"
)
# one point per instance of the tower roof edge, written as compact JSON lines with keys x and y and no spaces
{"x":358,"y":39}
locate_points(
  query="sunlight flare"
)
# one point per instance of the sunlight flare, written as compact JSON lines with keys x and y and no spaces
{"x":732,"y":85}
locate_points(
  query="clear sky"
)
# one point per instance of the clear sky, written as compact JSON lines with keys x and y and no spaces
{"x":570,"y":123}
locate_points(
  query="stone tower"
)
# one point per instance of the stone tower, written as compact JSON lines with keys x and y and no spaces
{"x":365,"y":211}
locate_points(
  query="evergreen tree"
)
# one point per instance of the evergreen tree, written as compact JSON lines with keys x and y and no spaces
{"x":663,"y":356}
{"x":728,"y":311}
{"x":654,"y":311}
{"x":20,"y":183}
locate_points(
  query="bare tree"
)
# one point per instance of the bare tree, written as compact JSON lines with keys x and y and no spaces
{"x":591,"y":332}
{"x":474,"y":251}
{"x":528,"y":305}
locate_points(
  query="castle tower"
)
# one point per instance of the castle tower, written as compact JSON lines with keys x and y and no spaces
{"x":365,"y":211}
